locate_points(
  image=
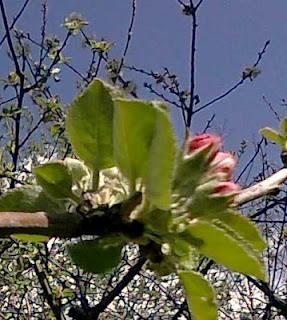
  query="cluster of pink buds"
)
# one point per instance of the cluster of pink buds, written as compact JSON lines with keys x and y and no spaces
{"x":222,"y":164}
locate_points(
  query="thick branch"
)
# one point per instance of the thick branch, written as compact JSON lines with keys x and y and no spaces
{"x":41,"y":223}
{"x":101,"y":221}
{"x":267,"y":186}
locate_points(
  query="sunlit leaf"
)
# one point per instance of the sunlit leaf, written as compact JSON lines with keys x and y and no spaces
{"x":55,"y":179}
{"x":134,"y":122}
{"x":89,"y":126}
{"x":30,"y":237}
{"x":216,"y":243}
{"x":81,"y":175}
{"x":161,"y":161}
{"x":96,"y":256}
{"x":244,"y":227}
{"x":272,"y":135}
{"x":283,"y":127}
{"x":200,"y":296}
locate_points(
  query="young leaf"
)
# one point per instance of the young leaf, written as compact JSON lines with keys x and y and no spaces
{"x":272,"y":135}
{"x":30,"y":237}
{"x":89,"y":126}
{"x":81,"y":175}
{"x":204,"y":204}
{"x":217,"y":244}
{"x":244,"y":227}
{"x":200,"y":296}
{"x":55,"y":179}
{"x":190,"y":170}
{"x":134,"y":122}
{"x":29,"y":199}
{"x":283,"y":127}
{"x":97,"y":256}
{"x":161,"y":162}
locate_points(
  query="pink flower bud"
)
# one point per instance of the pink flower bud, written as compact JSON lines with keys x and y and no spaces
{"x":204,"y":140}
{"x":224,"y":188}
{"x":224,"y":162}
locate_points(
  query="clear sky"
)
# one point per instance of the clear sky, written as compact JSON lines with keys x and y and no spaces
{"x":230,"y":35}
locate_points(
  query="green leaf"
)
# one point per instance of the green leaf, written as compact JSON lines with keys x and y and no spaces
{"x":97,"y":256}
{"x":190,"y":170}
{"x":204,"y":204}
{"x":89,"y":126}
{"x":283,"y":127}
{"x":159,"y":221}
{"x":272,"y":135}
{"x":68,"y":293}
{"x":244,"y":227}
{"x":81,"y":175}
{"x":30,"y":237}
{"x":55,"y":179}
{"x":29,"y":199}
{"x":134,"y":122}
{"x":216,"y":243}
{"x":200,"y":296}
{"x":187,"y":256}
{"x":161,"y":162}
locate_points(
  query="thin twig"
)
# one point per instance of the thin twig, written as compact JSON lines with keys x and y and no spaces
{"x":15,"y":20}
{"x":95,"y":312}
{"x":192,"y":65}
{"x":129,"y":36}
{"x":236,"y":85}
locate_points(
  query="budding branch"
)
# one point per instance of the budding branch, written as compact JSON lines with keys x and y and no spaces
{"x":70,"y":225}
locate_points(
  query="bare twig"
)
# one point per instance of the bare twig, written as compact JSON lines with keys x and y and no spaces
{"x":48,"y":294}
{"x":236,"y":85}
{"x":192,"y":65}
{"x":129,"y":36}
{"x":16,"y":18}
{"x":95,"y":312}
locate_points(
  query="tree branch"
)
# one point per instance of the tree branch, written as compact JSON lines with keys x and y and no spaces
{"x":267,"y":186}
{"x":94,"y":313}
{"x":98,"y":222}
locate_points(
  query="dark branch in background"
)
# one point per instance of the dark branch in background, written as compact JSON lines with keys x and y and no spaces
{"x":250,"y":162}
{"x":129,"y":36}
{"x":172,"y":88}
{"x":33,"y":129}
{"x":104,"y":58}
{"x":268,"y":103}
{"x":277,"y":249}
{"x":20,"y":94}
{"x":43,"y":33}
{"x":276,"y":302}
{"x":44,"y":79}
{"x":16,"y":18}
{"x":161,"y":96}
{"x":94,"y":312}
{"x":9,"y":40}
{"x":192,"y":63}
{"x":48,"y":294}
{"x":238,"y":84}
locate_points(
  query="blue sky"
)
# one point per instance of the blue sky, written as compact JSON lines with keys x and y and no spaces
{"x":230,"y":35}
